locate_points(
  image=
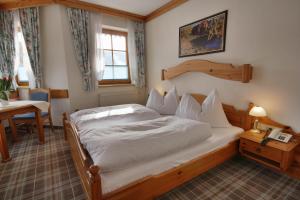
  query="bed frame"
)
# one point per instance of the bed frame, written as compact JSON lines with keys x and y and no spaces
{"x":151,"y":186}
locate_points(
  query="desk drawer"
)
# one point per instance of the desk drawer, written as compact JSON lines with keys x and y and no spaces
{"x":264,"y":151}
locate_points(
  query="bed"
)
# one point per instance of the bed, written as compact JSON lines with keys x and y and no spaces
{"x":149,"y":179}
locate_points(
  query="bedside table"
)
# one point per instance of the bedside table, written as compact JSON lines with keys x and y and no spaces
{"x":275,"y":154}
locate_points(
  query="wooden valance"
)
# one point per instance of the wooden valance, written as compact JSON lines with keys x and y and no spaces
{"x":221,"y":70}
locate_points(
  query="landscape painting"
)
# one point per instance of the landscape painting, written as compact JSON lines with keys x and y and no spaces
{"x":204,"y":36}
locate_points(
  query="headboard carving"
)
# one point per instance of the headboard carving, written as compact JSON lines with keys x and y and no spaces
{"x":221,"y":70}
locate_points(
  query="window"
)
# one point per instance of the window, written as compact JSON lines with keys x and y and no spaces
{"x":22,"y":65}
{"x":115,"y":53}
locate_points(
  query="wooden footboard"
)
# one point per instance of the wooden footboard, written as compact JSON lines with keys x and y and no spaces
{"x":148,"y":187}
{"x":154,"y":186}
{"x":89,"y":174}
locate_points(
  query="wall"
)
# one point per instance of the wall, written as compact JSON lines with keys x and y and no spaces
{"x":53,"y":58}
{"x":262,"y":33}
{"x":61,"y":69}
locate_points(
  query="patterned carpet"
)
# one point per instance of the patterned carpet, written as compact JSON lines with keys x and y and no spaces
{"x":47,"y":172}
{"x":40,"y":171}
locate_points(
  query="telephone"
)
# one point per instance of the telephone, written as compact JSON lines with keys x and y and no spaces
{"x":276,"y":134}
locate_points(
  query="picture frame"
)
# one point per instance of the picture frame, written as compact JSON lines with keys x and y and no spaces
{"x":204,"y":36}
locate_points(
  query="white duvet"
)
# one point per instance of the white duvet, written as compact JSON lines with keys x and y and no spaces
{"x":118,"y":147}
{"x":108,"y":116}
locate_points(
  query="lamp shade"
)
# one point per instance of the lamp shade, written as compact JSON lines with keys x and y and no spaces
{"x":257,"y":111}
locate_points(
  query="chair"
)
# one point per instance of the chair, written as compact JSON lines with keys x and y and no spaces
{"x":29,"y":118}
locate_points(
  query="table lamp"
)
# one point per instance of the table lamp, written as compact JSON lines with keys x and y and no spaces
{"x":257,"y":111}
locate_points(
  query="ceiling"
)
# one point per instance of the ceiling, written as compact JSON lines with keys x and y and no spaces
{"x":141,"y":7}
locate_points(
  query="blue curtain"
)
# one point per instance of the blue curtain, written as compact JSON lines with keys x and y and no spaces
{"x":7,"y":46}
{"x":139,"y":36}
{"x":79,"y":23}
{"x":30,"y":23}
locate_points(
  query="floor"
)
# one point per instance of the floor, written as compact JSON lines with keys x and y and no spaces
{"x":40,"y":171}
{"x":47,"y":172}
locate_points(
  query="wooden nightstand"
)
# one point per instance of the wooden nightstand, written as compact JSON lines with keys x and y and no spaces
{"x":275,"y":154}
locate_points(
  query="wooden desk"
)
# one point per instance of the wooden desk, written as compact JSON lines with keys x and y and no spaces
{"x":8,"y":113}
{"x":274,"y":154}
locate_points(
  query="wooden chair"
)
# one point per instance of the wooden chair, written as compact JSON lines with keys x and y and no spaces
{"x":38,"y":94}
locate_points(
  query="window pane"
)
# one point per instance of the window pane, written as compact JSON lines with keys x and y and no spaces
{"x":108,"y":73}
{"x":106,"y":41}
{"x":108,"y":57}
{"x":119,"y":42}
{"x":120,"y":58}
{"x":22,"y":74}
{"x":121,"y":72}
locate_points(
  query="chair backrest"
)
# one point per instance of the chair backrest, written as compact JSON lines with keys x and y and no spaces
{"x":39,"y":94}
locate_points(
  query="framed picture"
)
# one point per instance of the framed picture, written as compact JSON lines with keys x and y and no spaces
{"x":204,"y":36}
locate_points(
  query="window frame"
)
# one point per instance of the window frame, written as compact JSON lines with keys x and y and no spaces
{"x":21,"y":83}
{"x":117,"y":81}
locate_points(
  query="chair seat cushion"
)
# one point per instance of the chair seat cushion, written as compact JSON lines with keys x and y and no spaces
{"x":29,"y":115}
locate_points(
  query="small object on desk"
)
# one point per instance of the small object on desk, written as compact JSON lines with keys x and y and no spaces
{"x":257,"y":111}
{"x":4,"y":102}
{"x":265,"y":141}
{"x":278,"y":135}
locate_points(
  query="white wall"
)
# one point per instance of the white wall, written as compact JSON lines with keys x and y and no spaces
{"x":60,"y":67}
{"x":54,"y":58}
{"x":262,"y":33}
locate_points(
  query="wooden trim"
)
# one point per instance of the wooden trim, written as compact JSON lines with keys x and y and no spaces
{"x":114,"y":32}
{"x":221,"y":70}
{"x":114,"y":82}
{"x":165,"y":8}
{"x":59,"y":93}
{"x":73,"y":4}
{"x":54,"y":94}
{"x":12,"y":5}
{"x":150,"y":186}
{"x":99,"y":8}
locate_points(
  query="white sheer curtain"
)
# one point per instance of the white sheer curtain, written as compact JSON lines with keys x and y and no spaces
{"x":96,"y":53}
{"x":21,"y":58}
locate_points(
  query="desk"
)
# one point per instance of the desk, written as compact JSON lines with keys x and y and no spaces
{"x":20,"y":107}
{"x":274,"y":154}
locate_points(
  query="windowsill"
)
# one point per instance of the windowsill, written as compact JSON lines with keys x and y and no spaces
{"x":115,"y":85}
{"x":23,"y":87}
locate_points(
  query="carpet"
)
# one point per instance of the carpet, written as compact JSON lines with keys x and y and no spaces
{"x":47,"y":172}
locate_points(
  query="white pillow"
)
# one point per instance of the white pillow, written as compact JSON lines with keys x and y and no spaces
{"x":165,"y":105}
{"x":212,"y":111}
{"x":189,"y":108}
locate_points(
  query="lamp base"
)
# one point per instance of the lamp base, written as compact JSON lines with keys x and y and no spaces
{"x":255,"y":130}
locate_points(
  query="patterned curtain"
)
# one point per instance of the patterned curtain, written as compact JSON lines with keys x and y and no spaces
{"x":29,"y":18}
{"x":139,"y":36}
{"x":79,"y":23}
{"x":7,"y":45}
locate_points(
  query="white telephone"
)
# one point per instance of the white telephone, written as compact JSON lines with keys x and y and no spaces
{"x":276,"y":134}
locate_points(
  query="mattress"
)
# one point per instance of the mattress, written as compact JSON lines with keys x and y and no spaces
{"x":220,"y":138}
{"x":108,"y":116}
{"x":121,"y":146}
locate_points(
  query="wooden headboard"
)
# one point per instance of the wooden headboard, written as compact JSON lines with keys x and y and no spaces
{"x":236,"y":117}
{"x":221,"y":70}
